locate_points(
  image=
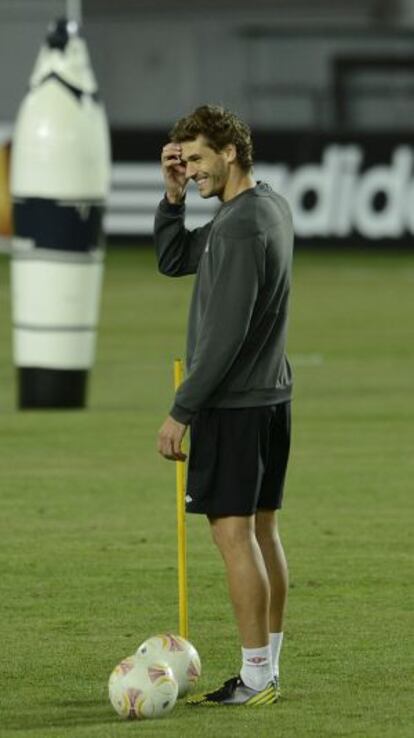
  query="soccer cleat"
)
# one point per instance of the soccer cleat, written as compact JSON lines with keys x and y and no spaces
{"x":235,"y":692}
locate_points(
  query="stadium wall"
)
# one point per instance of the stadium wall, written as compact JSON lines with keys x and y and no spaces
{"x":273,"y":63}
{"x":346,"y":191}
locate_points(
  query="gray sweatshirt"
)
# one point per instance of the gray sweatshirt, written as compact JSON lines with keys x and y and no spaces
{"x":238,"y":316}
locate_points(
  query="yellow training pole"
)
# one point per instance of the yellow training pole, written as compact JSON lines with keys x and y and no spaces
{"x":181,"y":528}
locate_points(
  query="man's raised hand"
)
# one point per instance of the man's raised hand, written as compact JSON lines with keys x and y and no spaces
{"x":173,"y":170}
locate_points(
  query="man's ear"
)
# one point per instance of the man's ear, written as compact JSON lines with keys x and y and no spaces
{"x":231,"y":153}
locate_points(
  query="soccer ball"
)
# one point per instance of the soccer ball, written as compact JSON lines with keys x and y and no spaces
{"x":178,"y":653}
{"x":142,"y":689}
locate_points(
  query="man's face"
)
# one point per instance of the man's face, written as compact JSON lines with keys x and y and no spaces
{"x":209,"y":169}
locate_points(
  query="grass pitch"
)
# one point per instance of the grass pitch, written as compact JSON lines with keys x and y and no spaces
{"x":87,"y":517}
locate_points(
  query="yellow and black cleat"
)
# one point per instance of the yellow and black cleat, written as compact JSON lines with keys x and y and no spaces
{"x":235,"y":692}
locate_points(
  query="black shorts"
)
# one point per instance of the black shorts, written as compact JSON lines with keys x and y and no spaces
{"x":238,"y":460}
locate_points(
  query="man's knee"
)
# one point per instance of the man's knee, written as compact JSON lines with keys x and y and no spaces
{"x":231,"y":532}
{"x":266,"y":525}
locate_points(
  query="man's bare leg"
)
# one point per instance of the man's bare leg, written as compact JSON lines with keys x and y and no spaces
{"x":249,"y":590}
{"x":247,"y":577}
{"x":274,"y":557}
{"x":275,"y":561}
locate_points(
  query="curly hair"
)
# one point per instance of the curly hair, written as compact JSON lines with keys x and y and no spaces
{"x":219,"y":127}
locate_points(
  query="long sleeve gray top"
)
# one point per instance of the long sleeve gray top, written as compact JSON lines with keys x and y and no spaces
{"x":238,"y":316}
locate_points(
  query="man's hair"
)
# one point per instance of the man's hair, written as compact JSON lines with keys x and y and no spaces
{"x":219,"y":127}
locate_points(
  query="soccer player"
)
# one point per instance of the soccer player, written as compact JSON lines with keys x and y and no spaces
{"x":236,"y":397}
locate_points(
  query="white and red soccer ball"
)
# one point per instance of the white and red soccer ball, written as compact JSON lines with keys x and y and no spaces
{"x":147,"y":684}
{"x":178,"y":653}
{"x":139,"y":689}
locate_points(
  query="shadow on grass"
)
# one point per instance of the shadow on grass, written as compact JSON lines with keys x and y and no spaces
{"x":83,"y":713}
{"x":90,"y":712}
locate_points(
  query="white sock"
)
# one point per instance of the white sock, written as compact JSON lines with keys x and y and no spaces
{"x":256,"y":670}
{"x":276,"y":645}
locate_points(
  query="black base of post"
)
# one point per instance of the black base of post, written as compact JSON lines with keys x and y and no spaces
{"x":51,"y":388}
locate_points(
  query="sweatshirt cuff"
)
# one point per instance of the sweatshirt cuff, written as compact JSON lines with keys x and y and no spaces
{"x":181,"y":415}
{"x":170,"y":208}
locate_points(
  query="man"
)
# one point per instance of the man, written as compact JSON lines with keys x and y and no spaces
{"x":236,"y":398}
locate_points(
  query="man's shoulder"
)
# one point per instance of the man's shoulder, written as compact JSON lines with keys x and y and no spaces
{"x":260,"y":210}
{"x":267,"y":199}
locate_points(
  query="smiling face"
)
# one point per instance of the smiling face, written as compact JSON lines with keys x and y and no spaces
{"x":208,"y":168}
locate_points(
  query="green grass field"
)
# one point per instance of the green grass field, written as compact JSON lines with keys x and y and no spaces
{"x":87,"y":517}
